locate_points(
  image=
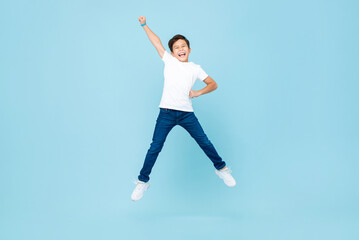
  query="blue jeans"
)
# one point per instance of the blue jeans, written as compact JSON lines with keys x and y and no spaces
{"x":166,"y":120}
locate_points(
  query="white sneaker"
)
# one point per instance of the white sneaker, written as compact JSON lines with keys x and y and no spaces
{"x":225,"y":174}
{"x":140,"y":188}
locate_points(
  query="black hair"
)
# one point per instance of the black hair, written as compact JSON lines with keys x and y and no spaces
{"x":174,"y":39}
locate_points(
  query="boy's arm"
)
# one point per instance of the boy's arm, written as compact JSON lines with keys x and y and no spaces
{"x":155,"y":40}
{"x":211,"y":86}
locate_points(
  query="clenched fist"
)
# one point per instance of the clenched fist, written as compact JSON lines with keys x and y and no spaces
{"x":142,"y":20}
{"x":193,"y":94}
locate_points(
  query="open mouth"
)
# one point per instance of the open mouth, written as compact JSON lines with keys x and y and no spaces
{"x":182,"y":55}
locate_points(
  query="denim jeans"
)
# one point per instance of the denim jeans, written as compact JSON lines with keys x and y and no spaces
{"x":166,"y":120}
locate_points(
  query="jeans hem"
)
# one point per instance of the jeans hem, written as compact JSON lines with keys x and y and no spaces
{"x":221,"y":167}
{"x":143,"y":180}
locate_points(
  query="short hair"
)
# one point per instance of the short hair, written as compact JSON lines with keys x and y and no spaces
{"x":174,"y":39}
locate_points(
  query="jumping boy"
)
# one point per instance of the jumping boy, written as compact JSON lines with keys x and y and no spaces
{"x":176,"y":107}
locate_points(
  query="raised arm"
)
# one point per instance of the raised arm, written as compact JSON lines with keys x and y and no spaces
{"x":153,"y":37}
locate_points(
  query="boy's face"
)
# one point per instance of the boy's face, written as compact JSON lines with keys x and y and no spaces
{"x":181,"y":50}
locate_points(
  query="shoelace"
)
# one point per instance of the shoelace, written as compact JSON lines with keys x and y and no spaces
{"x":227,"y":173}
{"x":138,"y":184}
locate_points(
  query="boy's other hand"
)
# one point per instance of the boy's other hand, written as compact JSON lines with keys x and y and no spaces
{"x":193,"y":94}
{"x":142,"y":20}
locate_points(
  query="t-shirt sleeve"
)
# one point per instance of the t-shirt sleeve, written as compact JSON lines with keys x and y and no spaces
{"x":201,"y":75}
{"x":166,"y":56}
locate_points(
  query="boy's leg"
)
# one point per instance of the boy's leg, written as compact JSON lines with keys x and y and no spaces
{"x":194,"y":128}
{"x":164,"y":124}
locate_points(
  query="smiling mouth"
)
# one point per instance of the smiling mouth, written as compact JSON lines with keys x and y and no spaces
{"x":182,"y":55}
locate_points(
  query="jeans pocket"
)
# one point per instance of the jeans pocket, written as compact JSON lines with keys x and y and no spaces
{"x":164,"y":112}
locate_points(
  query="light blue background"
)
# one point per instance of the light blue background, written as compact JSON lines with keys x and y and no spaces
{"x":79,"y":94}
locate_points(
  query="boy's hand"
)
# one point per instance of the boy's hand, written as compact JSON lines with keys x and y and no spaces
{"x":142,"y":20}
{"x":193,"y":94}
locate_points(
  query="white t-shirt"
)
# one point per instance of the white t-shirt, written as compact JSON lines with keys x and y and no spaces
{"x":179,"y":80}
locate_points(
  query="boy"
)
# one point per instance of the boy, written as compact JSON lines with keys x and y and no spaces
{"x":176,"y":107}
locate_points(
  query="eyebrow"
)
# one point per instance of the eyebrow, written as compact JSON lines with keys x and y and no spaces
{"x":177,"y":45}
